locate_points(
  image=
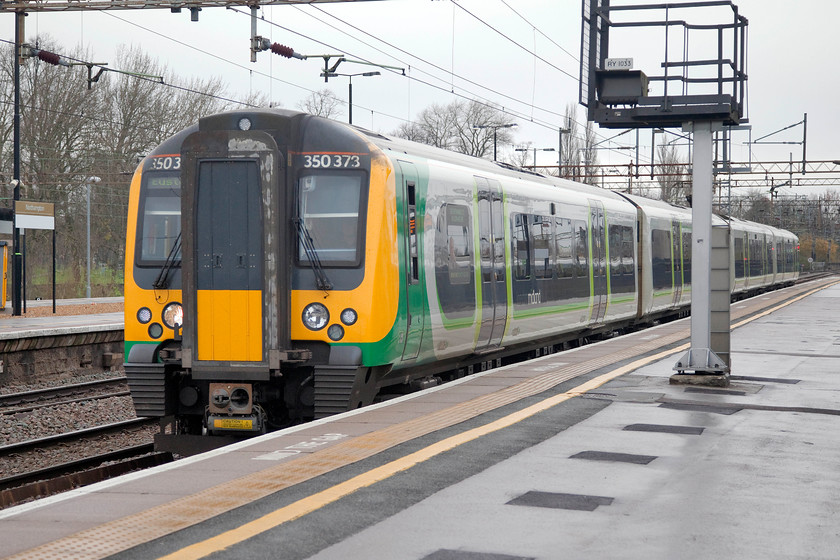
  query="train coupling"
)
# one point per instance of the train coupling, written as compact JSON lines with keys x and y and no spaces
{"x":232,"y":410}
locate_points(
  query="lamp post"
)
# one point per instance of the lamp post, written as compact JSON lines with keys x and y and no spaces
{"x":89,"y":181}
{"x":350,"y":88}
{"x":535,"y":152}
{"x":495,"y":127}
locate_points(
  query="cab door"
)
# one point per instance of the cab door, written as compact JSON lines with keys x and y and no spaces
{"x":415,"y":316}
{"x":229,"y":276}
{"x":234,"y":296}
{"x":491,"y":222}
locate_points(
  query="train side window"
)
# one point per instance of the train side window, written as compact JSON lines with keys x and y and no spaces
{"x":739,"y":257}
{"x":661,"y":253}
{"x":459,"y":244}
{"x":768,"y":249}
{"x":755,"y":256}
{"x":780,"y":264}
{"x":614,"y":248}
{"x":686,"y":241}
{"x":541,"y":240}
{"x":581,"y":250}
{"x":628,"y":258}
{"x":520,"y":238}
{"x":413,"y":261}
{"x":564,"y":242}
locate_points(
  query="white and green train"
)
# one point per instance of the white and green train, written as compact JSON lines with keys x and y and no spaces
{"x":282,"y":266}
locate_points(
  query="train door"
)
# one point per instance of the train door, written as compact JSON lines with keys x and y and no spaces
{"x":599,"y":260}
{"x":676,"y":259}
{"x":415,"y":317}
{"x":491,"y":231}
{"x":228,"y":245}
{"x":234,"y":297}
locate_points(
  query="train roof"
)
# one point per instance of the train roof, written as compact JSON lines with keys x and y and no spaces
{"x":399,"y":145}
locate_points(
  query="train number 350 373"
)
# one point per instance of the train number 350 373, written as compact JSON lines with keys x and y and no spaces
{"x":330,"y":160}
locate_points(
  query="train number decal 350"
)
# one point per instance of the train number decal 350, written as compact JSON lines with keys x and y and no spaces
{"x":316,"y":161}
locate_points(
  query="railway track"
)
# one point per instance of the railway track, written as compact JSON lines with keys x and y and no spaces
{"x":45,"y":482}
{"x":78,"y":471}
{"x":69,"y":437}
{"x":26,"y":401}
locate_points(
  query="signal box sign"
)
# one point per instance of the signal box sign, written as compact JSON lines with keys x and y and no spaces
{"x":618,"y":64}
{"x":34,"y":215}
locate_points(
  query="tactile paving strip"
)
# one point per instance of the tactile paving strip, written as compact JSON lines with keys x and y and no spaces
{"x":122,"y":534}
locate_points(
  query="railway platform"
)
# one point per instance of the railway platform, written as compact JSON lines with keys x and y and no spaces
{"x":84,"y":333}
{"x":589,"y":453}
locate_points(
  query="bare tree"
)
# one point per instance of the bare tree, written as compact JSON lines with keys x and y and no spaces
{"x":590,"y":154}
{"x":521,"y":155}
{"x":570,"y":150}
{"x":323,"y":103}
{"x":468,"y":127}
{"x":70,"y":134}
{"x":672,"y":175}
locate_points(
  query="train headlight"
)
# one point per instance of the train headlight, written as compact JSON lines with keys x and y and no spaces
{"x":315,"y":316}
{"x":173,"y":315}
{"x":155,"y":330}
{"x":349,"y":316}
{"x":335,"y":332}
{"x":144,"y":315}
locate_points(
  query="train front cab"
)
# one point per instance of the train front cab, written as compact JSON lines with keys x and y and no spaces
{"x":280,"y":302}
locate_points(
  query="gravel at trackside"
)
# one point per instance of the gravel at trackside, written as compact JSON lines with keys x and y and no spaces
{"x":47,"y":421}
{"x":60,"y":419}
{"x":58,"y":381}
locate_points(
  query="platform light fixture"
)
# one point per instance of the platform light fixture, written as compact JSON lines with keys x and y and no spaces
{"x":495,"y":128}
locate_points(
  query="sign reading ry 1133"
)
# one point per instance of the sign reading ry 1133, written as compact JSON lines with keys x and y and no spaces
{"x":618,"y":64}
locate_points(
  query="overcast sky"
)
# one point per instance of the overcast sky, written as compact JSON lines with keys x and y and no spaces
{"x":792,"y":67}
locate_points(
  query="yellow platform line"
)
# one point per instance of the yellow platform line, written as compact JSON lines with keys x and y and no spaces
{"x":325,"y":497}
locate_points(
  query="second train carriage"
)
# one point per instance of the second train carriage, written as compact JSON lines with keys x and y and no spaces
{"x":281,"y":266}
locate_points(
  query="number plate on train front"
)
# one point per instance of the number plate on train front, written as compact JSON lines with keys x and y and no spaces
{"x":233,"y":424}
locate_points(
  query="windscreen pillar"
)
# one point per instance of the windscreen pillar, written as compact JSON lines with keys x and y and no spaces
{"x":700,"y":359}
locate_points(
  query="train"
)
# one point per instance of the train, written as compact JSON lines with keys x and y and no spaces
{"x":282,"y":267}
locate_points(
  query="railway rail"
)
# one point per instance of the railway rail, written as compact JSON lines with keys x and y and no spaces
{"x":45,"y":482}
{"x":9,"y":400}
{"x":69,"y":437}
{"x":116,"y":441}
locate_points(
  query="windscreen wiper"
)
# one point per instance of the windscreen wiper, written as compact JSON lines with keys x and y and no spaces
{"x":321,"y":280}
{"x":162,"y":280}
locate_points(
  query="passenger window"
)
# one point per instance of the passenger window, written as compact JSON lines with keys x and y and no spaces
{"x":541,"y":236}
{"x":564,"y":247}
{"x":521,"y":247}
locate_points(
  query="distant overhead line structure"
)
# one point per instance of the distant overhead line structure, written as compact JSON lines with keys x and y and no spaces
{"x":80,"y":5}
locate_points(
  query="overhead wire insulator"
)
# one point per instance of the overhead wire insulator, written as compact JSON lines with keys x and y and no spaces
{"x":283,"y":50}
{"x":51,"y":58}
